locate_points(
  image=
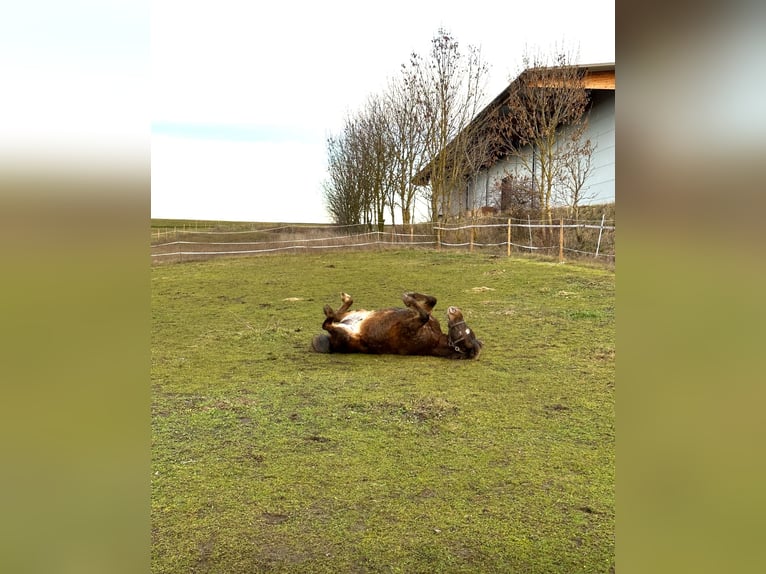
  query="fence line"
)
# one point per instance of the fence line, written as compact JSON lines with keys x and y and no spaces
{"x":296,"y":240}
{"x":591,"y":224}
{"x":530,"y":225}
{"x":479,"y":235}
{"x":289,"y":247}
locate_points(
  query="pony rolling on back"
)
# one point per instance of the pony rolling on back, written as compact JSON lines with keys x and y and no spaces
{"x":411,"y":330}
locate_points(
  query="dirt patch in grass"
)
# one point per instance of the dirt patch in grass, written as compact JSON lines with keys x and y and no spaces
{"x":429,"y":408}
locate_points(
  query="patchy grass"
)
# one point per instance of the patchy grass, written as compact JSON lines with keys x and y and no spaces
{"x":267,"y":457}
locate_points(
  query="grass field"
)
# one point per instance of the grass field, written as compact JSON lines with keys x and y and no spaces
{"x":267,"y":457}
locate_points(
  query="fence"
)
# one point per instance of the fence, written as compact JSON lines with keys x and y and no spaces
{"x":562,"y":239}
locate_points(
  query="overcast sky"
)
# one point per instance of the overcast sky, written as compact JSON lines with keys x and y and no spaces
{"x":244,"y":94}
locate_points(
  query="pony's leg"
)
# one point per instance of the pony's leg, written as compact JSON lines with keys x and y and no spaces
{"x":423,"y":304}
{"x":346,"y":305}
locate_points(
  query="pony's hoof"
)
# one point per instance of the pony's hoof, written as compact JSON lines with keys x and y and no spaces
{"x":321,"y":343}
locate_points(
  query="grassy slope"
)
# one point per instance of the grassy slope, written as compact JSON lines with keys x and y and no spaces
{"x":267,"y":457}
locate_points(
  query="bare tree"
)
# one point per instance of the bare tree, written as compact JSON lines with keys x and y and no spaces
{"x":577,"y":165}
{"x":543,"y":99}
{"x":450,"y":89}
{"x":377,"y":159}
{"x":407,"y":137}
{"x":343,"y":194}
{"x":420,"y":125}
{"x":361,"y":168}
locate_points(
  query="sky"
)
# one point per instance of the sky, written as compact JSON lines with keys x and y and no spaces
{"x":241,"y":95}
{"x":244,"y":94}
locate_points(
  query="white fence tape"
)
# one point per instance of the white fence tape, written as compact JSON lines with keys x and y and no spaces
{"x":288,"y":247}
{"x":364,"y":240}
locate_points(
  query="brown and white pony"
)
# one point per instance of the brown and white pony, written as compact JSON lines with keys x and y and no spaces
{"x":411,"y":330}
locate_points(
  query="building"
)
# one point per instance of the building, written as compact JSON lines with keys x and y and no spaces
{"x":486,"y":187}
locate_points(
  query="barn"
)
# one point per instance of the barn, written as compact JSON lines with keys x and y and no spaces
{"x":488,"y":186}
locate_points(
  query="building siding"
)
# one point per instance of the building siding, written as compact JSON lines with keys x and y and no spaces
{"x":601,"y":128}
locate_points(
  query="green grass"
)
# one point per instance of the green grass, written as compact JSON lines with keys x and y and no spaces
{"x":267,"y":457}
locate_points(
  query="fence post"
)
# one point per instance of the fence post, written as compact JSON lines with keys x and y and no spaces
{"x":509,"y":237}
{"x":438,"y":239}
{"x":529,"y":226}
{"x":600,"y":231}
{"x":470,"y":239}
{"x":561,"y":240}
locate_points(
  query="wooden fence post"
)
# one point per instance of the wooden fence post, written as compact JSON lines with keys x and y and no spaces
{"x":509,"y":237}
{"x":470,"y":239}
{"x":529,"y":224}
{"x":561,"y":240}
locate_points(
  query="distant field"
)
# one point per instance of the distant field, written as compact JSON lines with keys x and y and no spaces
{"x":201,"y":223}
{"x":267,"y":457}
{"x":188,"y":225}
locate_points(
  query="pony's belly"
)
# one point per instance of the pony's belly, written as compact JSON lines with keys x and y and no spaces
{"x":353,"y":321}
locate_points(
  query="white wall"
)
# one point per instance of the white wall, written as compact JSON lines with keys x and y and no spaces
{"x":601,"y":131}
